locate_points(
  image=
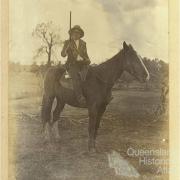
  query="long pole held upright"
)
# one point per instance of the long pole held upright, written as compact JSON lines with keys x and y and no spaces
{"x":70,"y":25}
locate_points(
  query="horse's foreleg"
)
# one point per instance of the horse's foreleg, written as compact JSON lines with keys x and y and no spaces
{"x":59,"y":107}
{"x":100,"y":113}
{"x":92,"y":126}
{"x":46,"y":109}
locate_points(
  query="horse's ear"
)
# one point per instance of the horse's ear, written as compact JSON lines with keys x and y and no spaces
{"x":130,"y":46}
{"x":125,"y":46}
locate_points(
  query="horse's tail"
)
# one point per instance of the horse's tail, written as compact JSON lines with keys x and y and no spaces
{"x":51,"y":80}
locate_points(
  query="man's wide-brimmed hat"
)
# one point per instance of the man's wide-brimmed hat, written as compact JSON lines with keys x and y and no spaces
{"x":78,"y":29}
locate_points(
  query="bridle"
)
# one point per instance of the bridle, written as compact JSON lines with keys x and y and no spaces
{"x":127,"y":66}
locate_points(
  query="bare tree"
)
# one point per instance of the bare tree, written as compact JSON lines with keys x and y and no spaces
{"x":49,"y":37}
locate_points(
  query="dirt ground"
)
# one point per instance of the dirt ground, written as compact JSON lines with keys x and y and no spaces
{"x":128,"y":122}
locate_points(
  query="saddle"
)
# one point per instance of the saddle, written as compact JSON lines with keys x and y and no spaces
{"x":83,"y":73}
{"x":67,"y":81}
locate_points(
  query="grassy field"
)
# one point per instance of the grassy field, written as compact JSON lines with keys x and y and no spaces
{"x":128,"y":122}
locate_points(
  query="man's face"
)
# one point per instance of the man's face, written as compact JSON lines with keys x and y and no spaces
{"x":75,"y":35}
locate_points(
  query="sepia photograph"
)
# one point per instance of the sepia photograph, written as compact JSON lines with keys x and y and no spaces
{"x":88,"y":90}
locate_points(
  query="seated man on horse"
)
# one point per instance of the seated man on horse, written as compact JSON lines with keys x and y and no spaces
{"x":77,"y":60}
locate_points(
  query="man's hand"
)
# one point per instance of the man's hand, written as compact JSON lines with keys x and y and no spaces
{"x":79,"y":58}
{"x":87,"y":61}
{"x":66,"y":47}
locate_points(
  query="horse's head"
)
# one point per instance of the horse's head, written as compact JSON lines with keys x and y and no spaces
{"x":133,"y":63}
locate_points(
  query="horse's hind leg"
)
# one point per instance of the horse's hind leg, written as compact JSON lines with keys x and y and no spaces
{"x":46,"y":111}
{"x":59,"y":107}
{"x":56,"y":114}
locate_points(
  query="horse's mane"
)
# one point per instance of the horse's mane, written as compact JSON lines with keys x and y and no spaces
{"x":106,"y":69}
{"x":102,"y":66}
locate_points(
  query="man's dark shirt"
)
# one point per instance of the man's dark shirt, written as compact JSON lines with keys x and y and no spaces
{"x":73,"y":51}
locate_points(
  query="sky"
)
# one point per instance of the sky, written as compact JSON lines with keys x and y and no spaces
{"x":106,"y":23}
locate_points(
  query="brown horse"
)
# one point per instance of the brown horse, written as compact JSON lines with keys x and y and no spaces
{"x":97,"y":87}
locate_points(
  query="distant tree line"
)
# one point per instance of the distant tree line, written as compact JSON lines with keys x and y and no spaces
{"x":158,"y":69}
